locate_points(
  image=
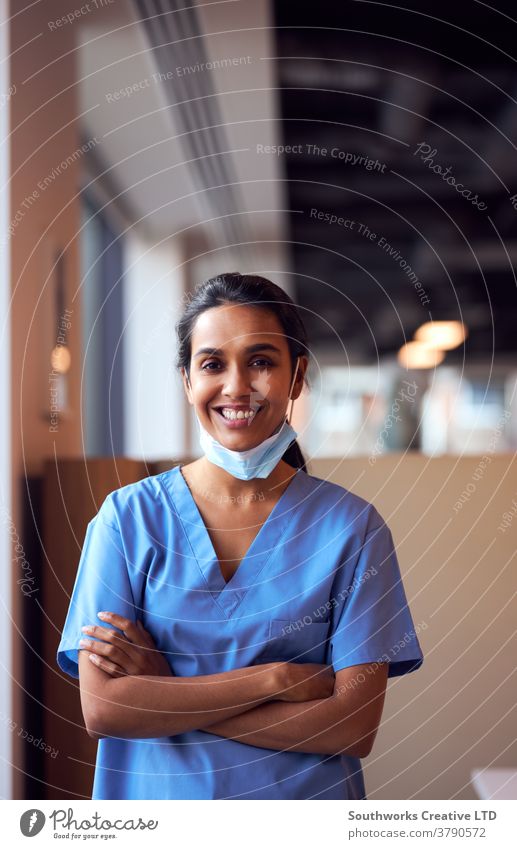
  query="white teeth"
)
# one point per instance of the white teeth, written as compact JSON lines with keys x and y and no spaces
{"x":241,"y":414}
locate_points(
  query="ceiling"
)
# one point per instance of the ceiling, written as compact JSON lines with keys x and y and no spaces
{"x":177,"y":155}
{"x":389,"y":112}
{"x":373,"y":81}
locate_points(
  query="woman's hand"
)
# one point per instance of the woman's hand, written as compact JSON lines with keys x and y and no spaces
{"x":301,"y":682}
{"x":131,"y":653}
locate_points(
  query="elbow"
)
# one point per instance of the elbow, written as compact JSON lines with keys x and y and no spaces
{"x":362,"y":751}
{"x":95,"y":724}
{"x":100,"y":713}
{"x":364,"y":745}
{"x":94,"y":735}
{"x":359,"y":748}
{"x":351,"y":750}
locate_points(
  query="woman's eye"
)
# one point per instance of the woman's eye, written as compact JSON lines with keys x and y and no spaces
{"x":265,"y":362}
{"x":204,"y":367}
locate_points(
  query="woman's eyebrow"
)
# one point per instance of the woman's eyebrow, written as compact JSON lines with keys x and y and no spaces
{"x":251,"y":349}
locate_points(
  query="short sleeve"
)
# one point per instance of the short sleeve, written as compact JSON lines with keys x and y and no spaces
{"x":371,"y":620}
{"x":102,"y":583}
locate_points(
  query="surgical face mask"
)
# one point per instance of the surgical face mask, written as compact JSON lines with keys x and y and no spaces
{"x":257,"y":462}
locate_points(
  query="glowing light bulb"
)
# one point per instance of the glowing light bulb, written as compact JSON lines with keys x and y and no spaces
{"x":60,"y":359}
{"x":443,"y":335}
{"x":417,"y":355}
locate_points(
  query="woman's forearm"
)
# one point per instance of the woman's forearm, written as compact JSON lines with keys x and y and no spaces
{"x":138,"y":706}
{"x":320,"y":726}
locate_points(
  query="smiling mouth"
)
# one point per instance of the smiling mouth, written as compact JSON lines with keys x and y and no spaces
{"x":247,"y":415}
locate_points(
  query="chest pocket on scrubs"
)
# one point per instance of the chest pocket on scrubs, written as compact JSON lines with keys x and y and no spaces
{"x":296,"y":642}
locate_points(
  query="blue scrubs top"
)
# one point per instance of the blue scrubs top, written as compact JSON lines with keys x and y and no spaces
{"x":319,"y":584}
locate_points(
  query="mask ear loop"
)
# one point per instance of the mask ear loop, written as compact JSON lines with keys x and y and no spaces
{"x":291,"y":389}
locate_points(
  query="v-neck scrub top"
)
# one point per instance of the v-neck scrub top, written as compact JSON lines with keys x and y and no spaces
{"x":319,"y":584}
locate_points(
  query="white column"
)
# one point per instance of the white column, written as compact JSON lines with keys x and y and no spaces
{"x":153,"y":301}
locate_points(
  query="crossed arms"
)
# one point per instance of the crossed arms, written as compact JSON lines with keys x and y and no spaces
{"x":299,"y":707}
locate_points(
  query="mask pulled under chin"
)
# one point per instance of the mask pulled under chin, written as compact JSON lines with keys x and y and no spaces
{"x":257,"y":462}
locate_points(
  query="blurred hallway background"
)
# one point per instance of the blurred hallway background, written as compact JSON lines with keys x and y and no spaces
{"x":364,"y":158}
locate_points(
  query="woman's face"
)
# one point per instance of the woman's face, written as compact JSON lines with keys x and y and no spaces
{"x":226,"y":377}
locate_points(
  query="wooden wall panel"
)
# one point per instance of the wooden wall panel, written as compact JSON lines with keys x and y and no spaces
{"x":73,"y":492}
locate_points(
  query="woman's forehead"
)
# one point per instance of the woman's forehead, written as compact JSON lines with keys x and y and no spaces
{"x":237,"y":326}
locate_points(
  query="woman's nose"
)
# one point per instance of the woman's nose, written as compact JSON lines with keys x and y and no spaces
{"x":240,"y":383}
{"x":237,"y":382}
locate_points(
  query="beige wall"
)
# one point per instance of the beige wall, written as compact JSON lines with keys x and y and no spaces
{"x":458,"y":711}
{"x":45,"y":128}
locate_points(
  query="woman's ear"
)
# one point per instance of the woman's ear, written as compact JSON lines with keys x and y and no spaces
{"x":303,"y":362}
{"x":186,"y":385}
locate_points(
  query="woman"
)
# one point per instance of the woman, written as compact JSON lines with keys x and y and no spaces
{"x":234,"y":620}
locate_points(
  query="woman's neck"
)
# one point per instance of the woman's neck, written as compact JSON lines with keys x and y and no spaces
{"x":225,"y":488}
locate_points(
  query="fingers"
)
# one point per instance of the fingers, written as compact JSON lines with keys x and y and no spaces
{"x":135,"y":632}
{"x":131,"y":646}
{"x":107,"y":635}
{"x":111,"y":653}
{"x":124,"y":624}
{"x":107,"y":665}
{"x":145,"y":635}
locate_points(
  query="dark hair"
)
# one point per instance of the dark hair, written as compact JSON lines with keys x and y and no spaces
{"x":251,"y":290}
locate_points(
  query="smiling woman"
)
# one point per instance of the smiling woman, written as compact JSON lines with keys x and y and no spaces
{"x":201,"y":683}
{"x":252,"y":371}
